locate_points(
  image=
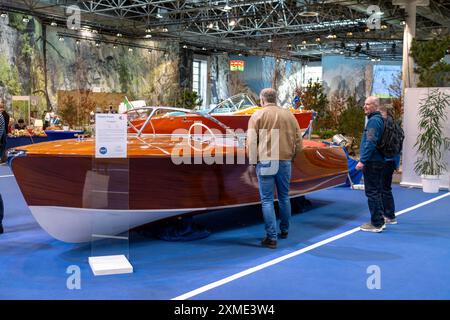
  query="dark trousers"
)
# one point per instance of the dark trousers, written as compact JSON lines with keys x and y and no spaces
{"x":3,"y":148}
{"x":1,"y":209}
{"x":373,"y":176}
{"x":388,"y":198}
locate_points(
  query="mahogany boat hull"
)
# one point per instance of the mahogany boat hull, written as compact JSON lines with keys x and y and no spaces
{"x":169,"y":124}
{"x":66,"y":192}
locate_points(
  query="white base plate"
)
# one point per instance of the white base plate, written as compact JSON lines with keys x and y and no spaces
{"x":107,"y":265}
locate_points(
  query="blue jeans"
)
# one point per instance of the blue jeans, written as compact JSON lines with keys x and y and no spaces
{"x":373,"y":180}
{"x":271,"y":174}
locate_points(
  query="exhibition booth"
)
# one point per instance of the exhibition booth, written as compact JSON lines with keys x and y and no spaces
{"x":148,"y":148}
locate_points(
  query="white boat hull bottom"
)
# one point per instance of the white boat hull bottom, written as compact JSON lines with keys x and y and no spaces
{"x":77,"y":225}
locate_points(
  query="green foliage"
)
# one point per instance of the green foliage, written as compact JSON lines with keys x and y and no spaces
{"x":125,"y":77}
{"x":16,"y":21}
{"x":27,"y":49}
{"x":9,"y":76}
{"x":431,"y":142}
{"x":326,"y":133}
{"x":351,"y":121}
{"x":188,"y":99}
{"x":428,"y":56}
{"x":314,"y":98}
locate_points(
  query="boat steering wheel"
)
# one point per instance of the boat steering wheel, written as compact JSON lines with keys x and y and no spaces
{"x":201,"y":141}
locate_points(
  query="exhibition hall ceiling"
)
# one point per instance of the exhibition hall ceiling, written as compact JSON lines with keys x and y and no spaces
{"x":296,"y":28}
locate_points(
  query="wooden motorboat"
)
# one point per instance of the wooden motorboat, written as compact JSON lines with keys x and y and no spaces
{"x":232,"y":113}
{"x":73,"y":195}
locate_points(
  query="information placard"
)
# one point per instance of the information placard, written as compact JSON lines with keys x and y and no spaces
{"x":110,"y":135}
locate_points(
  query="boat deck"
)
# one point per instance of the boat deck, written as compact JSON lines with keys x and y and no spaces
{"x":149,"y":145}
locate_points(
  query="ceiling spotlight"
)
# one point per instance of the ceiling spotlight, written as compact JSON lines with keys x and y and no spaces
{"x":366,"y":30}
{"x":402,"y":23}
{"x":211,"y":25}
{"x":304,"y":42}
{"x":148,"y":36}
{"x":3,"y":15}
{"x":232,"y":23}
{"x":165,"y":30}
{"x":114,"y":46}
{"x":25,"y":20}
{"x":384,"y":26}
{"x":269,"y":40}
{"x":61,"y":39}
{"x":77,"y":42}
{"x":119,"y":35}
{"x":130,"y":49}
{"x":185,"y":46}
{"x":227,"y":7}
{"x":317,"y":39}
{"x":307,"y":13}
{"x":53,"y":24}
{"x":97,"y":44}
{"x":349,"y":34}
{"x":159,"y":16}
{"x":204,"y":49}
{"x":289,"y":45}
{"x":148,"y":30}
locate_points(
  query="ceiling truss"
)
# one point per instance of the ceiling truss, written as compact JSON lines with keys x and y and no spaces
{"x":285,"y":26}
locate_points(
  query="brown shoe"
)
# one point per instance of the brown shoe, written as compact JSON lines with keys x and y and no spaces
{"x":269,"y":243}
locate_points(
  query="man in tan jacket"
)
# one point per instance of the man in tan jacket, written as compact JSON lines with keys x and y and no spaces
{"x":273,"y":141}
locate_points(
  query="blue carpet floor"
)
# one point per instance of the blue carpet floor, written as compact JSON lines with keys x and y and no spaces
{"x":413,"y":256}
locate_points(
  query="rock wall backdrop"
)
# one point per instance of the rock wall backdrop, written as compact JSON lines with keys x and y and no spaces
{"x":34,"y":60}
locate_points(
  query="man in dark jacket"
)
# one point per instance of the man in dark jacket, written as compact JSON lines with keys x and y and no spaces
{"x":372,"y":163}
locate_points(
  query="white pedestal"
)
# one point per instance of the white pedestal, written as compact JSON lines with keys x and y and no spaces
{"x":107,"y":265}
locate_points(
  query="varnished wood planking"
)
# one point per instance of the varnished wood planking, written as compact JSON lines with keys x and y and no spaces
{"x":168,"y":124}
{"x":156,"y":183}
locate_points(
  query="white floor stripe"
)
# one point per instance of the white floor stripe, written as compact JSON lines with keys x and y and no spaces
{"x":7,"y":176}
{"x":244,"y":273}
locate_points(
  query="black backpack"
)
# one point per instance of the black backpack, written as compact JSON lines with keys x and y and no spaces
{"x":391,"y":143}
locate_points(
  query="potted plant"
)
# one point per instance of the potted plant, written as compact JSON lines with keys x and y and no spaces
{"x":431,"y":142}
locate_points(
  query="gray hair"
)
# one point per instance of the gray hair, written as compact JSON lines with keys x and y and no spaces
{"x":269,"y":95}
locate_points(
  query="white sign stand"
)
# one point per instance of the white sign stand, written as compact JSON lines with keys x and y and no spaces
{"x":110,"y":142}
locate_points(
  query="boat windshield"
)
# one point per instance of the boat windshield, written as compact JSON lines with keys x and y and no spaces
{"x":233,"y":104}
